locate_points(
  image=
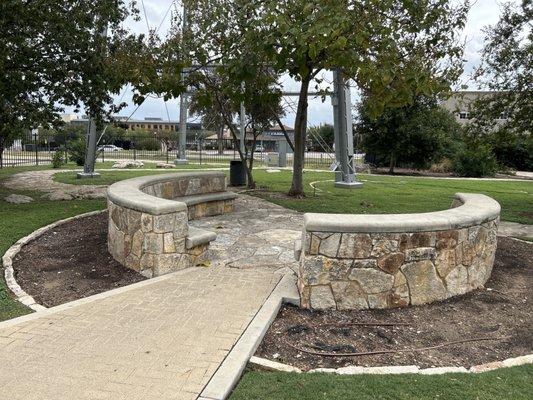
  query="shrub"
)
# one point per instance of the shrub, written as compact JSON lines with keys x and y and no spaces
{"x":148,"y":144}
{"x":77,"y":152}
{"x":443,"y":167}
{"x":475,"y":160}
{"x":58,"y":159}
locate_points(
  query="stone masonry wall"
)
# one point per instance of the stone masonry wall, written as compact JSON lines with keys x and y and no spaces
{"x":150,"y":244}
{"x":384,"y":270}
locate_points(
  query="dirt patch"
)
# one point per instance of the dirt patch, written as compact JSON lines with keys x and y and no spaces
{"x":502,"y":310}
{"x":71,"y":262}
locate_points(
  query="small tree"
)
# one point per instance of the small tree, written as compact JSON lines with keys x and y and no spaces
{"x":416,"y":134}
{"x":372,"y":42}
{"x":322,"y":135}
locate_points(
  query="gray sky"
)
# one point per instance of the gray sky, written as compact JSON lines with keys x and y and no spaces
{"x":482,"y":13}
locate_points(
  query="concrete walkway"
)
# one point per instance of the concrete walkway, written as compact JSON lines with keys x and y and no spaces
{"x":160,"y":339}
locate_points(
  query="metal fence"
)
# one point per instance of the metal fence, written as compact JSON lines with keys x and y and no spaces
{"x":30,"y":150}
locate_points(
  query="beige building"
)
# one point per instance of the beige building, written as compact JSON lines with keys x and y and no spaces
{"x":460,"y":104}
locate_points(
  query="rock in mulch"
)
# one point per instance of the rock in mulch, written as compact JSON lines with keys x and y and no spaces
{"x":18,"y":199}
{"x":128,"y":164}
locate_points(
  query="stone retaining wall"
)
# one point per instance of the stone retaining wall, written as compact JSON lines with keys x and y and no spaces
{"x":385,"y":261}
{"x":148,"y":219}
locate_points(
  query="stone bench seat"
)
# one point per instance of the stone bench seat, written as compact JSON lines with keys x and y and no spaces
{"x":148,"y":219}
{"x":395,"y":260}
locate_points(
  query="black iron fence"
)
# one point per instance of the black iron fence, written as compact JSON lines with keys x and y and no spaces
{"x":31,"y":150}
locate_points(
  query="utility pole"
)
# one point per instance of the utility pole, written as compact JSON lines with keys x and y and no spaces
{"x":242,"y":119}
{"x":92,"y":136}
{"x":184,"y":106}
{"x":343,"y":125}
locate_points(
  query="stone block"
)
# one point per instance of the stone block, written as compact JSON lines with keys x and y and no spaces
{"x":368,"y":263}
{"x":314,"y":244}
{"x":418,"y":239}
{"x":147,"y":222}
{"x":329,"y":246}
{"x":166,"y":263}
{"x":420,"y":253}
{"x":382,"y":247}
{"x":355,"y":245}
{"x":134,"y":221}
{"x":457,"y":281}
{"x":137,"y":243}
{"x":372,"y":280}
{"x":391,"y":263}
{"x":320,"y":270}
{"x":168,"y":243}
{"x":424,"y":284}
{"x":447,"y":239}
{"x":378,"y":301}
{"x":349,"y":296}
{"x":321,"y":298}
{"x":153,"y":243}
{"x":446,"y":261}
{"x":163,"y":223}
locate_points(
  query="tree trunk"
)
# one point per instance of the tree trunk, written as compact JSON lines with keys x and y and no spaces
{"x":300,"y":129}
{"x":392,"y":164}
{"x":220,"y":137}
{"x":2,"y":141}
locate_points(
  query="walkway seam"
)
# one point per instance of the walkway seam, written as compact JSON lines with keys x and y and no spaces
{"x":230,"y":370}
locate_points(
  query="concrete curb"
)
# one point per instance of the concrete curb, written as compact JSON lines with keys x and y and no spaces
{"x":229,"y":372}
{"x":10,"y":254}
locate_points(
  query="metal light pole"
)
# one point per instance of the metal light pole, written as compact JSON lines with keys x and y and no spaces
{"x":242,"y":119}
{"x":184,"y":108}
{"x":342,"y":117}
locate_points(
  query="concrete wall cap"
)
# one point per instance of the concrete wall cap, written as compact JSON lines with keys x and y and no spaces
{"x":197,"y":237}
{"x":474,"y":210}
{"x":207,"y":197}
{"x":128,"y":193}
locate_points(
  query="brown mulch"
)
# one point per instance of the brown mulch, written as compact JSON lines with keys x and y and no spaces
{"x":503,"y":310}
{"x":71,"y":262}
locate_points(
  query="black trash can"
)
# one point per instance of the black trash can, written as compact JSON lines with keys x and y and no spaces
{"x":237,"y":174}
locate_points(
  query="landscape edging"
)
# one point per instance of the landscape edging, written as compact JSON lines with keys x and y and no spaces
{"x":396,"y":369}
{"x":9,"y":255}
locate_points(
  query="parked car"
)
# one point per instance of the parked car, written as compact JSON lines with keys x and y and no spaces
{"x":259,"y":149}
{"x":109,"y":147}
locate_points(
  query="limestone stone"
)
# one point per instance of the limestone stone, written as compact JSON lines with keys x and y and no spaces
{"x":136,"y":243}
{"x":147,"y":223}
{"x":378,"y":301}
{"x":355,"y":246}
{"x":391,"y":263}
{"x":153,"y":243}
{"x":168,"y":243}
{"x":349,"y":296}
{"x":134,"y":221}
{"x":383,"y":247}
{"x":166,"y":263}
{"x":478,"y":273}
{"x":163,"y":223}
{"x":320,"y":270}
{"x":117,"y":246}
{"x":445,"y":261}
{"x":372,"y":280}
{"x":314,"y":244}
{"x":457,"y":281}
{"x":180,"y":225}
{"x":447,"y":239}
{"x":321,"y":298}
{"x":420,"y":253}
{"x":417,"y":239}
{"x":147,"y":262}
{"x":330,"y":246}
{"x":18,"y":199}
{"x":424,"y":284}
{"x":368,"y":263}
{"x":132,"y":262}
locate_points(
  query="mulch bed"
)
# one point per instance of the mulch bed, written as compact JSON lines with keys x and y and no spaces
{"x":71,"y":262}
{"x":502,"y":310}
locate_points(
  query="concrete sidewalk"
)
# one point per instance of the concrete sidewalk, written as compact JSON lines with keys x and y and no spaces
{"x":159,"y":339}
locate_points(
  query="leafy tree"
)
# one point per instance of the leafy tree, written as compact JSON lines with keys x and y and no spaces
{"x":322,"y":135}
{"x":507,"y":69}
{"x":370,"y":41}
{"x":417,"y":134}
{"x":53,"y":53}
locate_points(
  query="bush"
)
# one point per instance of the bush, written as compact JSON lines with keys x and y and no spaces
{"x":148,"y":144}
{"x":475,"y":160}
{"x":514,"y":151}
{"x":58,"y":159}
{"x":443,"y":167}
{"x":77,"y":152}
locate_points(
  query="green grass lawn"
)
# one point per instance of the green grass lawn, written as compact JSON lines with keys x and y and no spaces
{"x":504,"y":384}
{"x":388,"y":195}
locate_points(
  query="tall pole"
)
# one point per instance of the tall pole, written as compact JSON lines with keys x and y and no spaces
{"x":242,"y":119}
{"x":342,"y":117}
{"x":92,"y":136}
{"x":184,"y":106}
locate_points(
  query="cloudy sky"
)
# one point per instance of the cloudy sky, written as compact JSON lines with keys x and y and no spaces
{"x":482,"y":13}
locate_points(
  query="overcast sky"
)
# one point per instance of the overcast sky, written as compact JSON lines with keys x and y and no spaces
{"x":482,"y":13}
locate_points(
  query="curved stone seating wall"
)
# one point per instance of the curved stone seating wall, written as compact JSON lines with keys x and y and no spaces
{"x":148,"y":219}
{"x":385,"y":261}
